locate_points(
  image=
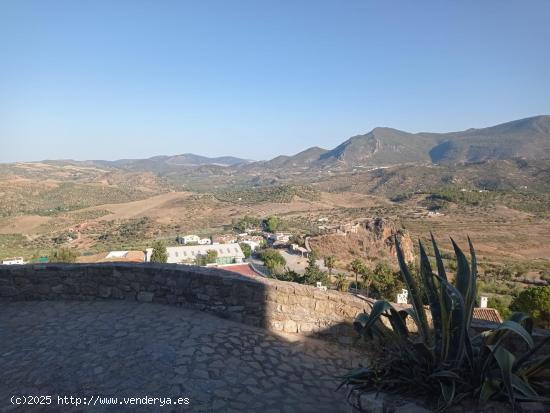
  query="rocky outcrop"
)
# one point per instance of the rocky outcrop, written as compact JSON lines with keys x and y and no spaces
{"x":371,"y":239}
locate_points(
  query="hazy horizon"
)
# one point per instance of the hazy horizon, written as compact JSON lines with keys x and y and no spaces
{"x":136,"y":79}
{"x":208,"y":155}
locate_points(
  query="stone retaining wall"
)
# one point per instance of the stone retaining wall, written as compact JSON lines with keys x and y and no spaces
{"x":271,"y":304}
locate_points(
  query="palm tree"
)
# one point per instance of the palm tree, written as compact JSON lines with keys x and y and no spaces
{"x":329,"y":263}
{"x":342,"y":283}
{"x":356,"y":267}
{"x":367,"y":276}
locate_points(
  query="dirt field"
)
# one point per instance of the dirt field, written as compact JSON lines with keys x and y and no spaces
{"x":503,"y":234}
{"x":27,"y":224}
{"x":499,"y":233}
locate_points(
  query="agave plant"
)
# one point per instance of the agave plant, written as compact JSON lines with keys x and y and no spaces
{"x":437,"y":357}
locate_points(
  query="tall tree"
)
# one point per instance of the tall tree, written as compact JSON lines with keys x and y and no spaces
{"x":313,"y":273}
{"x":159,"y":255}
{"x":211,"y":256}
{"x":272,"y":223}
{"x":368,"y":277}
{"x":386,"y":282}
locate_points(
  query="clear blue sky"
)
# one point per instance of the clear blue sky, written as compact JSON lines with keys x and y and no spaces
{"x":95,"y":79}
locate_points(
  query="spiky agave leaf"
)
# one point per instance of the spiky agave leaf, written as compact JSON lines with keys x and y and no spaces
{"x":505,"y":361}
{"x":371,"y":324}
{"x":457,"y":325}
{"x":534,"y":367}
{"x":529,"y":354}
{"x":448,"y":391}
{"x":427,"y":277}
{"x":473,"y":279}
{"x":422,"y":321}
{"x":463,"y":282}
{"x":445,"y":302}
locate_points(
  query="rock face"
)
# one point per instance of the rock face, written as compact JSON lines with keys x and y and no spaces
{"x":384,"y":231}
{"x":371,"y":240}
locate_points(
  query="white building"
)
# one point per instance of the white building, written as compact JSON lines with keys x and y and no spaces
{"x":188,"y":254}
{"x":14,"y":261}
{"x":403,"y":298}
{"x":190,"y":239}
{"x":280,"y":236}
{"x":254,"y":245}
{"x":205,"y":241}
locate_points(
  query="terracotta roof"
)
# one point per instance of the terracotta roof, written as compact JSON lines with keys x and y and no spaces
{"x":487,"y":314}
{"x":243,"y":269}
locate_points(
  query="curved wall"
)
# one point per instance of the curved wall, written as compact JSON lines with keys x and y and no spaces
{"x":271,"y":304}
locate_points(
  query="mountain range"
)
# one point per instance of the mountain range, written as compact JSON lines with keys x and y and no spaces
{"x":527,"y":138}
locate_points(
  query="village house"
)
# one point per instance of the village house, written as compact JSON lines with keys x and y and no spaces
{"x":254,"y":245}
{"x":342,"y":229}
{"x":188,"y":254}
{"x":281,"y":237}
{"x":188,"y":239}
{"x":254,"y":241}
{"x":350,"y":228}
{"x":14,"y":261}
{"x":299,"y":250}
{"x":224,"y":239}
{"x":252,"y":230}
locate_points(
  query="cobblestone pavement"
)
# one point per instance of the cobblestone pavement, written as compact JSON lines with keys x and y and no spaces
{"x":126,"y":349}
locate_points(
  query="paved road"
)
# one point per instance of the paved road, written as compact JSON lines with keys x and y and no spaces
{"x":127,"y":349}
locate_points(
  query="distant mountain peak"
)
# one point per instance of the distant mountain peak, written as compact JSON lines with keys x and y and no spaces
{"x":384,"y":146}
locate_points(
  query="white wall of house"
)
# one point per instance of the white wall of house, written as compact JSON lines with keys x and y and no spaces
{"x":252,"y":244}
{"x":14,"y":261}
{"x":187,"y":254}
{"x":191,"y":239}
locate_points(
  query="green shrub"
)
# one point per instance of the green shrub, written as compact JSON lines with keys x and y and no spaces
{"x":501,"y":304}
{"x":63,"y":255}
{"x":288,"y":275}
{"x":386,"y":283}
{"x":273,"y":260}
{"x":247,"y":250}
{"x":535,"y":301}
